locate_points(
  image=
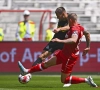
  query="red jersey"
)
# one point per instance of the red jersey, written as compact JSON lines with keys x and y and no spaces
{"x":68,"y":49}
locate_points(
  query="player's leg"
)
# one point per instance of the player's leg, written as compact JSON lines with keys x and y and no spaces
{"x":72,"y":79}
{"x":76,"y":80}
{"x":44,"y":65}
{"x":66,"y":77}
{"x":42,"y":57}
{"x":38,"y":67}
{"x":55,"y":60}
{"x":67,"y":67}
{"x":47,"y":51}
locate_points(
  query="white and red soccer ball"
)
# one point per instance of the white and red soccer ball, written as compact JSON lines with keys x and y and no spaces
{"x":24,"y":79}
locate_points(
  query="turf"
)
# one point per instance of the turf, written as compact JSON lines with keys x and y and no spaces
{"x":42,"y":82}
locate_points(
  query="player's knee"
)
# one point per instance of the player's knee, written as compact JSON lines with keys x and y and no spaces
{"x":46,"y":65}
{"x":42,"y":57}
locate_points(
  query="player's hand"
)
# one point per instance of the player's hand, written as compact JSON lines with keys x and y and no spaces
{"x":56,"y":30}
{"x":85,"y":51}
{"x":55,"y":40}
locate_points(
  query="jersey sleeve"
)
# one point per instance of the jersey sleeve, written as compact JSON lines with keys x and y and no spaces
{"x":75,"y":31}
{"x":83,"y":28}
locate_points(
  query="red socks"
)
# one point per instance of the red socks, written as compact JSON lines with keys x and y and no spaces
{"x":74,"y":80}
{"x":36,"y":68}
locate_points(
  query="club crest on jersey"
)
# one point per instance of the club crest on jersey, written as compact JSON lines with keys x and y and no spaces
{"x":66,"y":36}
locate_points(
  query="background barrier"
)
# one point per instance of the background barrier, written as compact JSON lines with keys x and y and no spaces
{"x":27,"y":52}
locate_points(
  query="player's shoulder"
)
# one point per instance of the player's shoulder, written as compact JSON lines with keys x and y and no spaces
{"x":77,"y":27}
{"x":81,"y":27}
{"x":74,"y":28}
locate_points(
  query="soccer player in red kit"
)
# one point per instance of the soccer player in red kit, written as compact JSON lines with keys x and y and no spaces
{"x":68,"y":55}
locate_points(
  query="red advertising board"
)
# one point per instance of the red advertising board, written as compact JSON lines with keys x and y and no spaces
{"x":27,"y":52}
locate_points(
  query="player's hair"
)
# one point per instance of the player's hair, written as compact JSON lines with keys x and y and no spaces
{"x":72,"y":16}
{"x":60,"y":10}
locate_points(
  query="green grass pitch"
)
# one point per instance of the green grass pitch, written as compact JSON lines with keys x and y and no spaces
{"x":43,"y":82}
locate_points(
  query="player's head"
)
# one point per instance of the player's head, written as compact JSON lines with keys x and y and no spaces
{"x":61,"y":13}
{"x":72,"y":17}
{"x":26,"y":15}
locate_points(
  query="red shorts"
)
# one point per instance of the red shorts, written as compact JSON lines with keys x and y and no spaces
{"x":67,"y":61}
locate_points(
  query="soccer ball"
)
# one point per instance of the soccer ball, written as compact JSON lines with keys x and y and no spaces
{"x":24,"y":79}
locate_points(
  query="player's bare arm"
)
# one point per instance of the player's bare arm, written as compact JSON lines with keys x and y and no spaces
{"x":65,"y":28}
{"x":71,"y":40}
{"x":87,"y":36}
